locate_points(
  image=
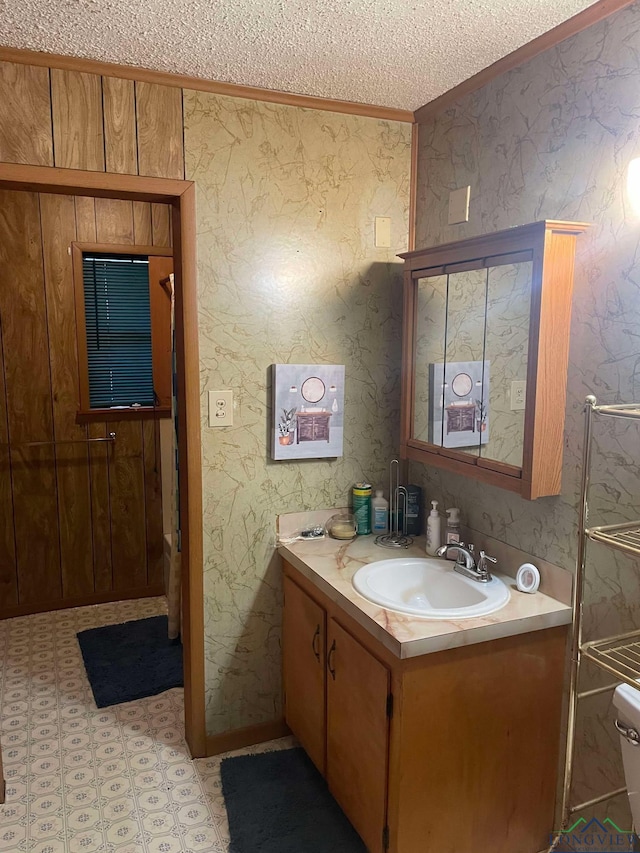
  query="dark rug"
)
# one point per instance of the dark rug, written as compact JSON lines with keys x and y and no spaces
{"x":131,"y":660}
{"x":277,"y":802}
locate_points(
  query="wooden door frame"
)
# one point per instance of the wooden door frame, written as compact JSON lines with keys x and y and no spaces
{"x":181,"y":196}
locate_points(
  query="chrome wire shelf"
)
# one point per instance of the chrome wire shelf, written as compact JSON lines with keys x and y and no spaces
{"x":622,"y":537}
{"x":619,"y":655}
{"x":622,"y":410}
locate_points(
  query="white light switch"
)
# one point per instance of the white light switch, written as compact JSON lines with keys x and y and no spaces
{"x":459,"y":205}
{"x":383,"y":232}
{"x":220,"y":408}
{"x":518,"y":395}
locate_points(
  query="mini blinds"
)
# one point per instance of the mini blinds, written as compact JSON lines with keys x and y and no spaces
{"x":118,"y":321}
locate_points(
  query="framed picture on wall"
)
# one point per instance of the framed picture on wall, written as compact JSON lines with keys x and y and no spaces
{"x":307,"y":411}
{"x":459,"y":403}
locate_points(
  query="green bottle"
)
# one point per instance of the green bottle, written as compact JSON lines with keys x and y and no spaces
{"x":362,"y":507}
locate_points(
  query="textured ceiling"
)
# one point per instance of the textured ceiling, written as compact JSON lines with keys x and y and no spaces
{"x":396,"y":53}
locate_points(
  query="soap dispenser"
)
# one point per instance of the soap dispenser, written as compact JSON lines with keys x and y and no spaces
{"x":453,"y":525}
{"x":433,"y":530}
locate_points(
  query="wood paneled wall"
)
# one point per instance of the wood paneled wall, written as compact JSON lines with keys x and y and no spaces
{"x":51,"y":117}
{"x":80,"y":522}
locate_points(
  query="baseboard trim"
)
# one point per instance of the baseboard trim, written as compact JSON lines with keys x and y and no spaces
{"x":248,"y":736}
{"x":83,"y":601}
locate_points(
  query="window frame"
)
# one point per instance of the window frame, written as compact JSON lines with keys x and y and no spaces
{"x":85,"y":413}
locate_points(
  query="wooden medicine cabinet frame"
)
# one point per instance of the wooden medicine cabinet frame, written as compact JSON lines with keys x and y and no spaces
{"x":550,"y":245}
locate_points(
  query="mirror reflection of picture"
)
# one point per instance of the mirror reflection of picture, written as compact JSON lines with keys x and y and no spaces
{"x":459,"y":403}
{"x":308,"y":411}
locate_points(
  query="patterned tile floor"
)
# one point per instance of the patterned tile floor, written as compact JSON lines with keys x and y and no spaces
{"x":83,"y":780}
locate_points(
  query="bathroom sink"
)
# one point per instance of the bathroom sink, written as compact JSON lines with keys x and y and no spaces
{"x":428,"y":587}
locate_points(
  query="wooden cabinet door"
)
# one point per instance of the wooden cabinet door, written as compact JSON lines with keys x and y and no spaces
{"x":304,"y":650}
{"x":305,"y":429}
{"x":357,"y":734}
{"x":321,"y":428}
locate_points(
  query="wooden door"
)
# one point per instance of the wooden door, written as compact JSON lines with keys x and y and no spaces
{"x":304,"y":649}
{"x":358,"y":687}
{"x":33,"y":559}
{"x":80,"y":522}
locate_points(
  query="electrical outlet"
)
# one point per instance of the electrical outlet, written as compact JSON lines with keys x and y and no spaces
{"x":518,"y":395}
{"x":220,"y":408}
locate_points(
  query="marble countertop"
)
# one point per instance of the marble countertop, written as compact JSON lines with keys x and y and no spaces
{"x":330,"y":565}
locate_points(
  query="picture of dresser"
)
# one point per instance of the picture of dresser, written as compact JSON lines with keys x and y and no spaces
{"x":307,"y":406}
{"x":312,"y":426}
{"x":461,"y":417}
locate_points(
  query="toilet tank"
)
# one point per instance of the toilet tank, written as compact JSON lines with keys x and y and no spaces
{"x":626,"y":701}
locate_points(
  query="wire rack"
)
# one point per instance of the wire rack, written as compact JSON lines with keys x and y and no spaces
{"x":622,"y":537}
{"x":626,"y":410}
{"x":619,"y":655}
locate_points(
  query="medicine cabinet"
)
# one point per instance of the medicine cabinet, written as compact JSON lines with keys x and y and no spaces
{"x":485,"y":354}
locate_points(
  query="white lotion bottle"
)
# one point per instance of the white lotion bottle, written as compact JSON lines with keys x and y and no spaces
{"x":379,"y":514}
{"x":434,"y":537}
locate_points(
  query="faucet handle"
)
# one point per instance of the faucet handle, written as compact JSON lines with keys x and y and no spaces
{"x":482,"y":564}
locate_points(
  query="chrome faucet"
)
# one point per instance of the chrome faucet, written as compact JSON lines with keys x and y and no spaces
{"x":466,"y":562}
{"x":464,"y":557}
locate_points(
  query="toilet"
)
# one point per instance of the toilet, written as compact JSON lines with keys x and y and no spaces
{"x":626,"y":700}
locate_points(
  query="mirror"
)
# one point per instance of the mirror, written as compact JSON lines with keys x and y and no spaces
{"x":472,"y":343}
{"x":431,"y":316}
{"x":485,"y":352}
{"x":313,"y":389}
{"x":507,"y":351}
{"x":457,"y":416}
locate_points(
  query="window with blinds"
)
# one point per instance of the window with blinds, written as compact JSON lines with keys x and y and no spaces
{"x":118,"y":325}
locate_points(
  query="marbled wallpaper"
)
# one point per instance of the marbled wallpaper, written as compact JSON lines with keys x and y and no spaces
{"x":288,"y":273}
{"x":553,"y":139}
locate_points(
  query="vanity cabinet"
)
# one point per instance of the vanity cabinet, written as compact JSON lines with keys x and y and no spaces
{"x":313,"y":426}
{"x":336,"y":703}
{"x":450,"y":752}
{"x":485,"y":354}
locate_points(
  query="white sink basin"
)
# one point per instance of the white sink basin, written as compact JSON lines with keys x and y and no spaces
{"x":428,"y":587}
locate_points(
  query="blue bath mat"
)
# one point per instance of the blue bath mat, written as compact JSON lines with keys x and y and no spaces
{"x":277,"y":802}
{"x":131,"y":660}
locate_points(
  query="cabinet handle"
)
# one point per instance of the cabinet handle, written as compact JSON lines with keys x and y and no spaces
{"x":316,"y":651}
{"x":331,"y":651}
